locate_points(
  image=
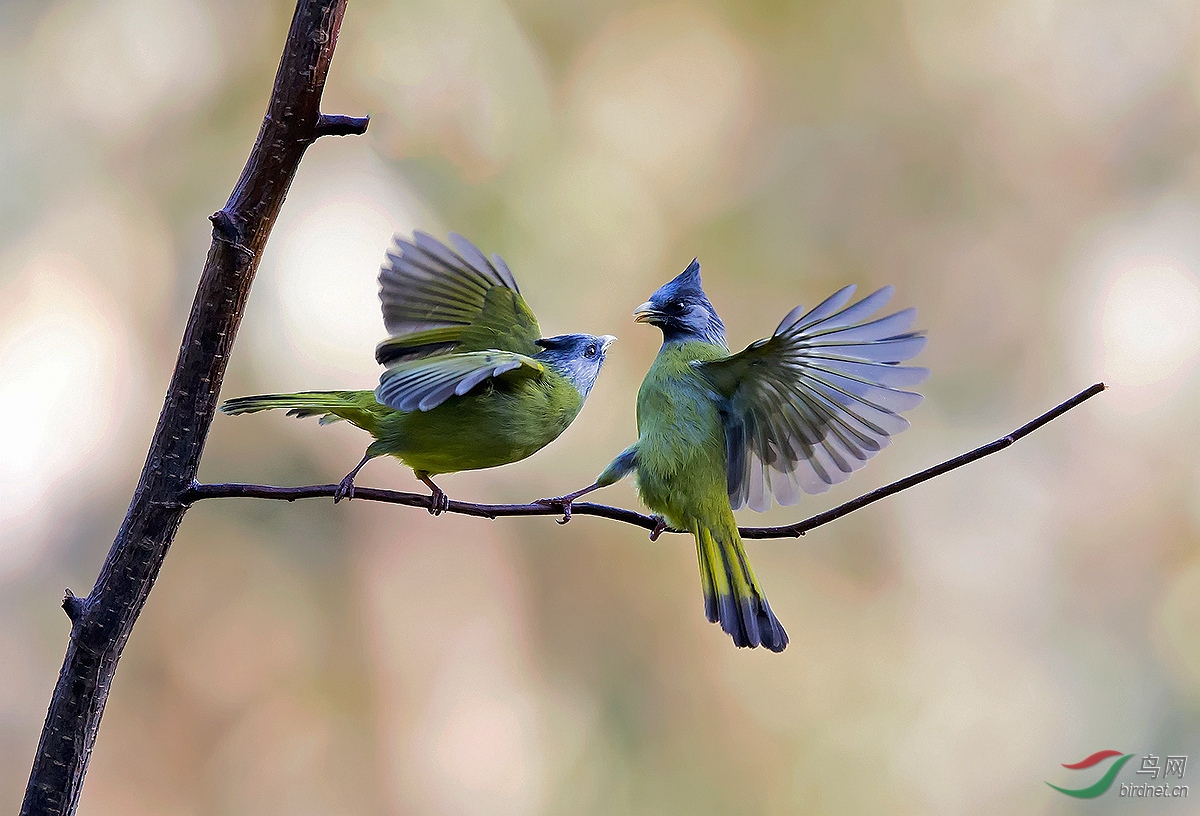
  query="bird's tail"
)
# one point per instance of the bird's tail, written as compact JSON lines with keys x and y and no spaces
{"x":732,"y":595}
{"x":357,"y":407}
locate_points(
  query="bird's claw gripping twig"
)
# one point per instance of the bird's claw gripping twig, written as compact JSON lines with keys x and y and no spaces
{"x":660,"y":527}
{"x":439,"y":502}
{"x":562,"y":503}
{"x":345,"y":489}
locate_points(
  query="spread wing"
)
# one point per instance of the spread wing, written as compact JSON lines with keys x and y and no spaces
{"x":424,"y":384}
{"x":812,"y":403}
{"x":438,"y":300}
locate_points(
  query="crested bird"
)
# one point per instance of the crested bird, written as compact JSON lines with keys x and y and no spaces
{"x":793,"y":413}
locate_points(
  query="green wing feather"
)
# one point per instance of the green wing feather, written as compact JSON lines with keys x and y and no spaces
{"x":807,"y":406}
{"x":438,"y":300}
{"x":422,"y":385}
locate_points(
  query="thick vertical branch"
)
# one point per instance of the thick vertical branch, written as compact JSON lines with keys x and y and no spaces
{"x":102,"y":621}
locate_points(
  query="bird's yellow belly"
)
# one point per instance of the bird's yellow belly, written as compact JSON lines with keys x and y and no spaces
{"x":681,"y":442}
{"x":481,"y":430}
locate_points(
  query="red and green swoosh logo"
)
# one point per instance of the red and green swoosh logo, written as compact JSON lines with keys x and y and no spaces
{"x":1104,"y":782}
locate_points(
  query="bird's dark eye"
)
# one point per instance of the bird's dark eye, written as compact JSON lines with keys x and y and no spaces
{"x":677,"y":307}
{"x":590,"y":351}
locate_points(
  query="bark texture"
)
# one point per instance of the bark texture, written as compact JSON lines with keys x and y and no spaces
{"x":102,"y":621}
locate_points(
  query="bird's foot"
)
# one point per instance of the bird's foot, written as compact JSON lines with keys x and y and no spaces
{"x":563,"y":503}
{"x":660,"y":527}
{"x":439,"y":502}
{"x":345,"y":489}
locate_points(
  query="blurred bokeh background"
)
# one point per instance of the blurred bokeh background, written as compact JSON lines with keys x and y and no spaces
{"x":1026,"y":172}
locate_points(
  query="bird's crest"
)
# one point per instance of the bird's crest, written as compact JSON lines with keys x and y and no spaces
{"x":684,"y":285}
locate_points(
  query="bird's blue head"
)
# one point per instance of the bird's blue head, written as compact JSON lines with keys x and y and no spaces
{"x":576,"y":357}
{"x":681,"y":309}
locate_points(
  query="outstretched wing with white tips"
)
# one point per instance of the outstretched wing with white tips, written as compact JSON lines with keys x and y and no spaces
{"x":437,"y":299}
{"x":809,"y":405}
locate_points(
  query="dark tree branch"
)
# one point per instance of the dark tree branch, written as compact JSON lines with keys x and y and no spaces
{"x":102,"y":621}
{"x":651,"y":523}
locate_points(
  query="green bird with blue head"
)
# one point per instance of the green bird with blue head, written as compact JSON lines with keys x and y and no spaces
{"x":470,"y":382}
{"x":793,"y":413}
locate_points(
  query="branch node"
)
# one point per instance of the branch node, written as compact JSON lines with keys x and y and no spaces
{"x":332,"y":124}
{"x":73,"y":605}
{"x":188,"y":495}
{"x":227,"y":231}
{"x":224,"y":226}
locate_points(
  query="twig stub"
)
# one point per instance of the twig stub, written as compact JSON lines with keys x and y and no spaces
{"x":332,"y":124}
{"x":73,"y":605}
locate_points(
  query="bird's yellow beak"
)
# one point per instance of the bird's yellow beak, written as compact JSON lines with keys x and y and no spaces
{"x":644,"y":313}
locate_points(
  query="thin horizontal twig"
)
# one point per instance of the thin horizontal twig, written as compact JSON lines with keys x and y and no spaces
{"x":487,"y":511}
{"x":800,"y":528}
{"x":491,"y":511}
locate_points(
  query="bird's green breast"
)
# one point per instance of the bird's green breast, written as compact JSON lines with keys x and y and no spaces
{"x":497,"y":423}
{"x":681,"y":440}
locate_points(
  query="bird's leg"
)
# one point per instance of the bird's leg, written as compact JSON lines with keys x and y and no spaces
{"x":345,"y":488}
{"x":564,"y":502}
{"x":439,"y":502}
{"x":660,"y":527}
{"x":617,"y":470}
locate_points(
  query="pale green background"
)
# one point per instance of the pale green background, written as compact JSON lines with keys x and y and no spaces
{"x":1024,"y":171}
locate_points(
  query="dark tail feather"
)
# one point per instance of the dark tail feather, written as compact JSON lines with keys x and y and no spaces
{"x":732,"y":595}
